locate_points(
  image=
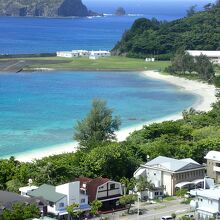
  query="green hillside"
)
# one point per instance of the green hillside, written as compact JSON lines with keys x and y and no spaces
{"x":200,"y":31}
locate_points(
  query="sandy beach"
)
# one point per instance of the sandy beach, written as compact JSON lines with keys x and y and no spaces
{"x":204,"y":92}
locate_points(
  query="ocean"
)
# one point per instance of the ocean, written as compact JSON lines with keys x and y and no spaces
{"x":40,"y":109}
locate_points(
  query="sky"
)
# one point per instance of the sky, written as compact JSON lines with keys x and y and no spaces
{"x":174,"y":7}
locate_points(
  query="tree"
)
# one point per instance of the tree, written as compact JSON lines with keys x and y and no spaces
{"x":191,"y":11}
{"x":20,"y":211}
{"x":142,"y":184}
{"x":128,"y":200}
{"x":128,"y":184}
{"x":173,"y":215}
{"x":95,"y":206}
{"x":205,"y":68}
{"x":73,"y":210}
{"x":181,"y":192}
{"x":98,"y":127}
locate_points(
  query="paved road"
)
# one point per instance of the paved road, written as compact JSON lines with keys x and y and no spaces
{"x":155,"y":211}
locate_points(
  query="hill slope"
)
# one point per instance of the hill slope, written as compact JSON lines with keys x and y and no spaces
{"x":146,"y":37}
{"x":49,"y":8}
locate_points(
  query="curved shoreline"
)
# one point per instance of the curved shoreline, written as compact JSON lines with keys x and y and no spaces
{"x":204,"y":91}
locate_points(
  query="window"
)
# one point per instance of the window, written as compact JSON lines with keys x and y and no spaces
{"x":83,"y":200}
{"x":112,"y":186}
{"x":61,"y":205}
{"x":101,"y":187}
{"x":156,"y":193}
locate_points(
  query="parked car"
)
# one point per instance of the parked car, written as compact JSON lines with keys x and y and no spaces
{"x":166,"y":218}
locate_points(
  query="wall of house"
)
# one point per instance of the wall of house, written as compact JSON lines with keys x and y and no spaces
{"x":155,"y":176}
{"x":168,"y":183}
{"x":58,"y":206}
{"x":105,"y":190}
{"x":72,"y":190}
{"x":61,"y":204}
{"x":206,"y":204}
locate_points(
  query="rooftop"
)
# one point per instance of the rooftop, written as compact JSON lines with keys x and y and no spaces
{"x":208,"y":53}
{"x":213,"y":193}
{"x":47,"y":192}
{"x":172,"y":164}
{"x":213,"y":155}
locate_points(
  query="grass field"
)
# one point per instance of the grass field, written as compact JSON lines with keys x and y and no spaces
{"x":105,"y":63}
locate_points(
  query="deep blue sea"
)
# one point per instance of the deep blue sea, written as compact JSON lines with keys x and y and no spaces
{"x":40,"y":109}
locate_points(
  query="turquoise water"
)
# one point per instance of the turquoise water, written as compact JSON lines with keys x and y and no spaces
{"x":40,"y":109}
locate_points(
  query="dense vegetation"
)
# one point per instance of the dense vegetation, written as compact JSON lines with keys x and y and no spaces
{"x":197,"y":31}
{"x":200,"y":67}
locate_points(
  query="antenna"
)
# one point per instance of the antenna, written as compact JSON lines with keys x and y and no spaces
{"x":30,"y":181}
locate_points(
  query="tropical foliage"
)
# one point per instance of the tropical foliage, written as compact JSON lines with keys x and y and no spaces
{"x":20,"y":211}
{"x":152,"y":38}
{"x":98,"y":127}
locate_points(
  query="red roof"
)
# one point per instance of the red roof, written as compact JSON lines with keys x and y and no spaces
{"x":92,"y":185}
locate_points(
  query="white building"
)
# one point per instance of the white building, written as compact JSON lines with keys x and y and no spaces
{"x":99,"y":53}
{"x":150,"y":59}
{"x":206,"y":202}
{"x":168,"y":174}
{"x":67,"y":54}
{"x":81,"y":53}
{"x":214,"y":56}
{"x":58,"y":197}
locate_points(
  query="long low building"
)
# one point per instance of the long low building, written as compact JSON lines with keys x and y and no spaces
{"x":84,"y":53}
{"x":214,"y":56}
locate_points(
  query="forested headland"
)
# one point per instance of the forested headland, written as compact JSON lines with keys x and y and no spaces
{"x":161,"y":39}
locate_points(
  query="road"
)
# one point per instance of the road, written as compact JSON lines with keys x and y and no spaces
{"x":155,"y":211}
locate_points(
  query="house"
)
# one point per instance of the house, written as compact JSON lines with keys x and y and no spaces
{"x":213,"y":165}
{"x":7,"y":199}
{"x":214,"y":56}
{"x":58,"y":197}
{"x":168,"y":174}
{"x":103,"y":189}
{"x":206,"y":202}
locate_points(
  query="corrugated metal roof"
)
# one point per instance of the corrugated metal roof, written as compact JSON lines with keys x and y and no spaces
{"x":47,"y":192}
{"x":208,"y":53}
{"x":173,"y":164}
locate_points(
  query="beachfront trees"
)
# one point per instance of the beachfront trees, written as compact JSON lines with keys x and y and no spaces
{"x":204,"y":68}
{"x":98,"y":127}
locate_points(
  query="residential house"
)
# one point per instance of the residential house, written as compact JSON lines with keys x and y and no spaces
{"x":58,"y":197}
{"x":214,"y":56}
{"x":206,"y":203}
{"x":213,"y":165}
{"x":103,"y":189}
{"x":8,"y":199}
{"x":169,"y":174}
{"x":100,"y":53}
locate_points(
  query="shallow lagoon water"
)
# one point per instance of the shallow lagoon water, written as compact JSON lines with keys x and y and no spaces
{"x":40,"y":109}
